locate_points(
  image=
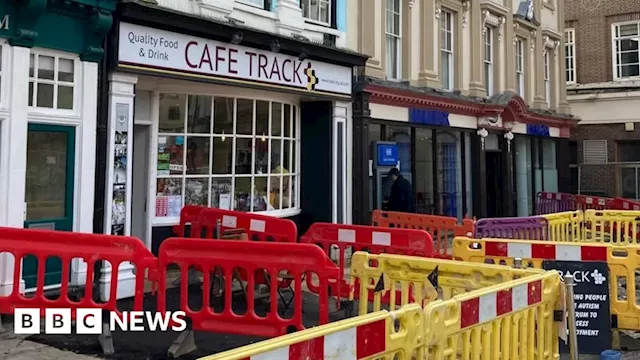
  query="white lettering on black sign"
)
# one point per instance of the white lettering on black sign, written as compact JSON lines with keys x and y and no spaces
{"x":591,"y":303}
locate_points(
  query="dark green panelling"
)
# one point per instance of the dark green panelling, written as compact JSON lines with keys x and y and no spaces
{"x":77,"y":26}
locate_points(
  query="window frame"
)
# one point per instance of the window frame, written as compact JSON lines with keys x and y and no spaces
{"x":520,"y":67}
{"x":4,"y":65}
{"x":614,"y":53}
{"x":398,"y":39}
{"x":252,"y":4}
{"x":76,"y":85}
{"x":446,"y":13}
{"x":489,"y":63}
{"x":330,"y":10}
{"x":571,"y":72}
{"x":547,"y":75}
{"x":294,"y":155}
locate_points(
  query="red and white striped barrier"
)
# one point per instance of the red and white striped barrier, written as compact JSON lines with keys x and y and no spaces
{"x":488,"y":307}
{"x":564,"y":252}
{"x":354,"y":343}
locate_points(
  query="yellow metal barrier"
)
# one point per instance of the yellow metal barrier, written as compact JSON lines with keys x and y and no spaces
{"x":565,"y":226}
{"x":483,"y":311}
{"x":623,"y":262}
{"x":612,"y":226}
{"x":381,"y":335}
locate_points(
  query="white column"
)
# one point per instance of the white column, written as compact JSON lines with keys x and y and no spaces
{"x":15,"y":138}
{"x":121,"y":94}
{"x":289,"y":17}
{"x":86,"y":163}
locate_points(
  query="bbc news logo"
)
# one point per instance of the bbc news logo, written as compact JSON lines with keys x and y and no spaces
{"x":27,"y":321}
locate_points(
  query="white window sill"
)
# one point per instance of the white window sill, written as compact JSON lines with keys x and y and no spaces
{"x":318,"y":26}
{"x":626,"y":79}
{"x":254,"y":10}
{"x":171,"y":221}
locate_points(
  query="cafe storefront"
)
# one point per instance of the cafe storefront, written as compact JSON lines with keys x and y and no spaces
{"x":200,"y":112}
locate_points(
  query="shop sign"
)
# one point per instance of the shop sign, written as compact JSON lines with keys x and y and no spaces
{"x":591,"y":303}
{"x":161,"y":50}
{"x":428,"y":117}
{"x":537,"y":130}
{"x":4,"y":22}
{"x":387,"y":154}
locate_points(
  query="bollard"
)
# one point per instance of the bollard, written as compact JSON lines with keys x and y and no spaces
{"x":571,"y":313}
{"x":610,"y":355}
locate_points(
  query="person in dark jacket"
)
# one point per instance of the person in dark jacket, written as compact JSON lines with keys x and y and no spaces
{"x":401,"y":197}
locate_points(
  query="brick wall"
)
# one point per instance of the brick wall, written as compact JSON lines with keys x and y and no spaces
{"x":602,"y":178}
{"x":592,"y":21}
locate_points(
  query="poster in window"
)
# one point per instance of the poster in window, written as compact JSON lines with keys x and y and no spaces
{"x":163,"y":157}
{"x":119,"y":180}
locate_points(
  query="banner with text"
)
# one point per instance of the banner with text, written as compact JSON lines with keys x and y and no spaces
{"x":164,"y":50}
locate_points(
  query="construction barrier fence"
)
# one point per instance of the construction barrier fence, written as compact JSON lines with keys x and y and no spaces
{"x":497,"y":313}
{"x":381,"y":335}
{"x":441,"y":228}
{"x":548,"y":202}
{"x":347,"y":239}
{"x":621,"y":260}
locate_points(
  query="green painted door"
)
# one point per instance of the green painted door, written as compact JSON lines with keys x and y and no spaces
{"x":48,"y":191}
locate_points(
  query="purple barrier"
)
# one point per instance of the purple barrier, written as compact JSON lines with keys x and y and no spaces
{"x":548,"y":203}
{"x":522,"y":228}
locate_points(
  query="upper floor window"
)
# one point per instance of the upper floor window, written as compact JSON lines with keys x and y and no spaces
{"x":446,"y":50}
{"x":547,"y":78}
{"x":625,"y":50}
{"x":257,"y":3}
{"x":570,"y":52}
{"x":51,"y":81}
{"x":488,"y":60}
{"x":317,"y":10}
{"x":393,"y":39}
{"x":520,"y":66}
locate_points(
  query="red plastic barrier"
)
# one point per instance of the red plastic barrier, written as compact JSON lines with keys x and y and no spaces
{"x":258,"y":227}
{"x":372,"y":239}
{"x":548,"y":202}
{"x":66,"y":246}
{"x":188,"y":216}
{"x":441,"y":228}
{"x":225,"y":256}
{"x":586,"y":202}
{"x":624,"y":204}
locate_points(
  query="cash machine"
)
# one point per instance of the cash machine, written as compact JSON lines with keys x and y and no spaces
{"x":386,"y":155}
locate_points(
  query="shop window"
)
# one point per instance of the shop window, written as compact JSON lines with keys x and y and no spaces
{"x":520,"y":67}
{"x":317,"y":10}
{"x":239,"y":154}
{"x":488,"y":60}
{"x":570,"y":53}
{"x":449,"y":160}
{"x":393,"y":39}
{"x":625,"y":40}
{"x":446,"y":50}
{"x":629,"y":172}
{"x":51,"y":81}
{"x":549,"y":165}
{"x":424,"y":184}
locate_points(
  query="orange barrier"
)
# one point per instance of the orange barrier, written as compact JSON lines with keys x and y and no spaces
{"x":188,"y":216}
{"x":258,"y":262}
{"x":91,"y":248}
{"x":587,"y":202}
{"x":258,"y":227}
{"x":363,"y":238}
{"x":441,"y":228}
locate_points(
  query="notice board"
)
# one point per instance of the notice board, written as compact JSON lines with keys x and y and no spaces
{"x":592,"y":303}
